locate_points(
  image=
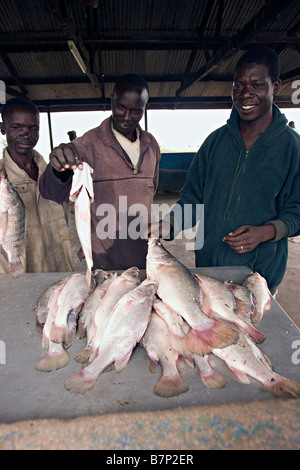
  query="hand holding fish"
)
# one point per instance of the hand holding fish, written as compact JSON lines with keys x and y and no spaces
{"x":160,"y":229}
{"x":248,"y":237}
{"x":65,"y":157}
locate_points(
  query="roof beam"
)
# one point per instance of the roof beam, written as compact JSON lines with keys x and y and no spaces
{"x":64,"y":17}
{"x":10,"y":67}
{"x":264,"y":17}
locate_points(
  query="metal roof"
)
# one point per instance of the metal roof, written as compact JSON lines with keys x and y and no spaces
{"x":186,"y":49}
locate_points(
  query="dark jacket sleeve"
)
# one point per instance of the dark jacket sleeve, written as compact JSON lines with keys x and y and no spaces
{"x":55,"y":185}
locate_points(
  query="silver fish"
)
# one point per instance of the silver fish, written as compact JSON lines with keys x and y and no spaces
{"x":262,"y":296}
{"x":56,"y":355}
{"x":244,"y":300}
{"x":245,"y":359}
{"x":219,"y":302}
{"x":176,"y":329}
{"x":180,"y":291}
{"x":127,"y":325}
{"x":157,"y":343}
{"x":12,"y":227}
{"x":82,"y":194}
{"x":125,"y":282}
{"x":71,"y":299}
{"x":41,"y":308}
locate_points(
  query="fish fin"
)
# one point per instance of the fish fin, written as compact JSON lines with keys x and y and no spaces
{"x":189,"y":361}
{"x":205,"y":304}
{"x":58,"y":333}
{"x":256,"y":315}
{"x":252,"y":332}
{"x":203,"y":340}
{"x":240,"y":375}
{"x":17,"y":269}
{"x":110,"y":368}
{"x":152,"y":365}
{"x":180,"y":363}
{"x":170,"y":386}
{"x":82,"y":330}
{"x":213,"y":379}
{"x":83,"y":355}
{"x":81,"y":382}
{"x":268,"y":362}
{"x":283,"y":387}
{"x":53,"y":361}
{"x":122,"y":363}
{"x":241,"y":308}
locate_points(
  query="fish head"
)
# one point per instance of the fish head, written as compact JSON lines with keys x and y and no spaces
{"x":131,"y":273}
{"x":157,"y":252}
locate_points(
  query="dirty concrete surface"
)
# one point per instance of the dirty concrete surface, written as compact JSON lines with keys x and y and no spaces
{"x":267,"y":424}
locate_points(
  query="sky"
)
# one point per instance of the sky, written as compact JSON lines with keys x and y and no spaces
{"x":175,"y":130}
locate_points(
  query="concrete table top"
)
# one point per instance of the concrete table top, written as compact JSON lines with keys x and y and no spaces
{"x":27,"y":394}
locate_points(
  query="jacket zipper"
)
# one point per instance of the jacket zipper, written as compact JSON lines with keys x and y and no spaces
{"x":235,"y":178}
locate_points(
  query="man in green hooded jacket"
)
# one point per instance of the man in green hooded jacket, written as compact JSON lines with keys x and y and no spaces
{"x":247,"y":176}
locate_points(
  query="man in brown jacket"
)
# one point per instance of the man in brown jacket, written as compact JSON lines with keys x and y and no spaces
{"x":125,"y":161}
{"x":48,"y":246}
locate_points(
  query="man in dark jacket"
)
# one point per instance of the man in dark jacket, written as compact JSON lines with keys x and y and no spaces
{"x":247,"y":175}
{"x":125,"y":162}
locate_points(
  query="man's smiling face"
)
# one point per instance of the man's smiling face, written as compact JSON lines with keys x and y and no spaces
{"x":253,"y":91}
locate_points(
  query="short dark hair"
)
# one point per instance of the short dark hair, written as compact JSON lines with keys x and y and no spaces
{"x":20,"y":101}
{"x":262,"y":55}
{"x":132,"y":79}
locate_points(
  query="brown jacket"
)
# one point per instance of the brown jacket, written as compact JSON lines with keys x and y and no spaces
{"x":113,"y":176}
{"x":48,"y":246}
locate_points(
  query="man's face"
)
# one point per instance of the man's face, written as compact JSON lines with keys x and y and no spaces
{"x":21,"y":128}
{"x":253,"y":92}
{"x":128,"y":106}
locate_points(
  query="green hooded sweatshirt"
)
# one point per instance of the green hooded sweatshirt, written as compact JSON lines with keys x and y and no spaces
{"x":246,"y":188}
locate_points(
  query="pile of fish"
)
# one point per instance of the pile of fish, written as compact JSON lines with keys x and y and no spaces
{"x":12,"y":227}
{"x":176,"y":316}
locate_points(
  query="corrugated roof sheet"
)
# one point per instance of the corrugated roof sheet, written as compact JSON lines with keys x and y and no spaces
{"x":168,"y":41}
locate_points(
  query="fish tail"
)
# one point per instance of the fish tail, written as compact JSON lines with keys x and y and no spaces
{"x":203,"y":340}
{"x":213,"y":379}
{"x":53,"y":361}
{"x":283,"y":387}
{"x":83,"y":355}
{"x":252,"y":332}
{"x":170,"y":386}
{"x":81,"y":382}
{"x":58,"y":333}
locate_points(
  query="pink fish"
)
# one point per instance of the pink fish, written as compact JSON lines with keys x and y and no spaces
{"x":219,"y":303}
{"x":127,"y":325}
{"x":82,"y":194}
{"x":245,"y":359}
{"x":12,"y":227}
{"x":262,"y":296}
{"x":157,"y":342}
{"x":179,"y":290}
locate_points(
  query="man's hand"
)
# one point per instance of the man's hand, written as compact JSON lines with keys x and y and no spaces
{"x":248,"y":237}
{"x":65,"y":157}
{"x":161,"y":229}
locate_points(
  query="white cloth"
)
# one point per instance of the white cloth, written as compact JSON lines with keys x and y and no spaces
{"x":131,"y":148}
